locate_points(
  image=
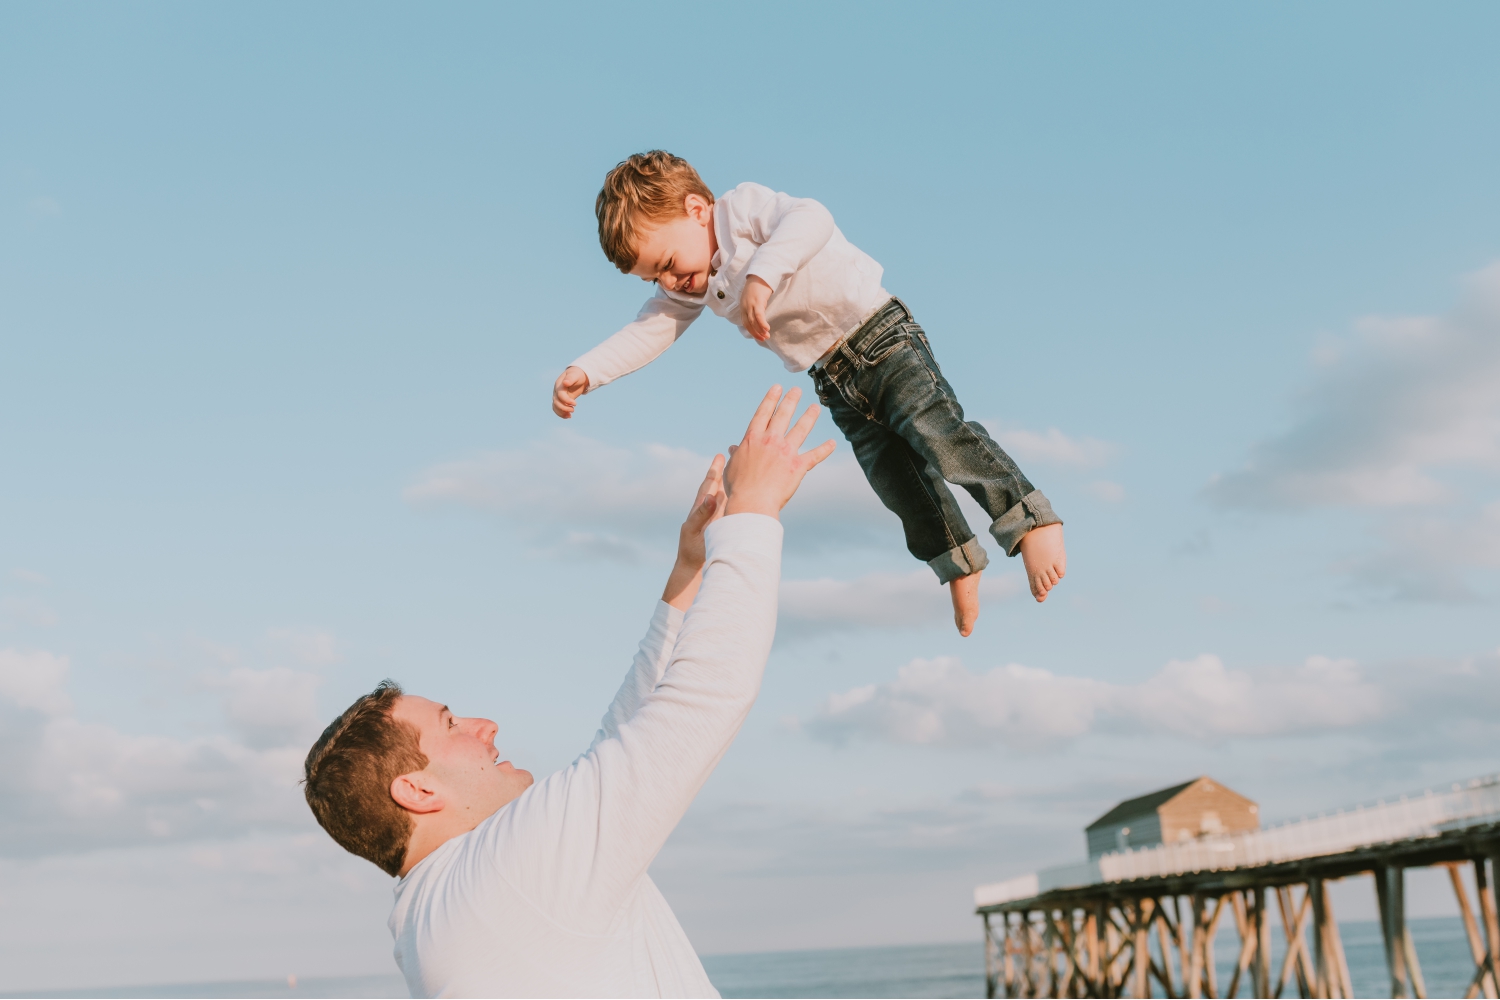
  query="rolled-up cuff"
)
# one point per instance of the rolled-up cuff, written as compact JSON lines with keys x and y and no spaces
{"x":968,"y":558}
{"x":1033,"y":511}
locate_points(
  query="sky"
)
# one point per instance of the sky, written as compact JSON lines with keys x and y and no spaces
{"x":283,"y":290}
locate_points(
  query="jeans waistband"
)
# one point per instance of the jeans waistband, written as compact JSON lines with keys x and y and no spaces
{"x":885,"y":317}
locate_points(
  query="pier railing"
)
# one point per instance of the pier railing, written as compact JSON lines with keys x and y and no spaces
{"x":1411,"y":817}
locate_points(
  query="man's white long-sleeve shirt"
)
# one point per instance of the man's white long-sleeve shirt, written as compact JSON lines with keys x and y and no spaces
{"x":822,"y":286}
{"x":550,"y":896}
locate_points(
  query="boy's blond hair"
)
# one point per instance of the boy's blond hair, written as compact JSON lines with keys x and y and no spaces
{"x":648,"y":187}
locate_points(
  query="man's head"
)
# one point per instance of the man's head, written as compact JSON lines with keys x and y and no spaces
{"x":656,"y":221}
{"x":395,"y":773}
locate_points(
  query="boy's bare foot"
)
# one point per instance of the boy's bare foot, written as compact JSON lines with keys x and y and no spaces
{"x":965,"y":591}
{"x":1045,"y":558}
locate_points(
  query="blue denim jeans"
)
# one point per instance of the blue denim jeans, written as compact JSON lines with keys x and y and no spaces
{"x":886,"y":393}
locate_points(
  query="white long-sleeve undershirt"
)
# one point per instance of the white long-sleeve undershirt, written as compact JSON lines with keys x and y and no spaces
{"x":550,"y":896}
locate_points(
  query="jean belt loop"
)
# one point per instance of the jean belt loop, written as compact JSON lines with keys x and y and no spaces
{"x":845,"y":350}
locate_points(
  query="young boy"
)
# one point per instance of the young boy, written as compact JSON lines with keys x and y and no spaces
{"x":780,"y":270}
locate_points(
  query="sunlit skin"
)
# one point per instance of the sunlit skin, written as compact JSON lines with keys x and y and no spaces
{"x":1046,"y":563}
{"x":465,"y":782}
{"x":1045,"y":557}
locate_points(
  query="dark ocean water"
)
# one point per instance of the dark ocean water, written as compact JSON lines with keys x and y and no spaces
{"x":931,"y":970}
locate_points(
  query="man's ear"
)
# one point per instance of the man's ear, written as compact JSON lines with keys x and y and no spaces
{"x":416,"y":793}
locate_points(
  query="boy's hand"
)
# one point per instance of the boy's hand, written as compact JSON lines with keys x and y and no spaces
{"x":753,"y":304}
{"x":708,"y":507}
{"x":571,"y":384}
{"x":765,"y":468}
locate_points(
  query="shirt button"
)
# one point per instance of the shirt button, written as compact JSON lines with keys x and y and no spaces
{"x":721,"y":293}
{"x":713,"y":272}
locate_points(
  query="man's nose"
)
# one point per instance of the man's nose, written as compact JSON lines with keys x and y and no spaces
{"x":482,"y":727}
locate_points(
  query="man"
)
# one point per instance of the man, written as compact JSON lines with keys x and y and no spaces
{"x":510,"y":889}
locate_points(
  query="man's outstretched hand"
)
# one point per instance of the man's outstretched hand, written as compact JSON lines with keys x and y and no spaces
{"x":692,"y":550}
{"x":765,"y":468}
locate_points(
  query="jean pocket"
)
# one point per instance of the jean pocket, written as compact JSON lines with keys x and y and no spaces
{"x":883,"y":346}
{"x":921,"y":336}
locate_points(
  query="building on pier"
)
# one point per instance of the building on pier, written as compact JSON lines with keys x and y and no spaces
{"x":1198,"y":808}
{"x":1127,"y":922}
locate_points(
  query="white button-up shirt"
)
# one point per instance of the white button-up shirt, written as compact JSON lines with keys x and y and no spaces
{"x":822,"y":286}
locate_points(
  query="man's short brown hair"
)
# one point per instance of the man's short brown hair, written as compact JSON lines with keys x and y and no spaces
{"x":648,"y":187}
{"x":348,"y":777}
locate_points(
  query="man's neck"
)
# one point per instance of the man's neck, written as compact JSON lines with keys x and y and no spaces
{"x":433,"y":830}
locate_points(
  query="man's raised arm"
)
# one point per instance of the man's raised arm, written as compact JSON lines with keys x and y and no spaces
{"x":682,"y":586}
{"x":587,"y":834}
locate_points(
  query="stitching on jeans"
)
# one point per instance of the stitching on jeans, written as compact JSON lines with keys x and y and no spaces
{"x":928,"y":490}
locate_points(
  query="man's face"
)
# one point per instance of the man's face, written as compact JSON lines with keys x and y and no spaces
{"x":461,"y":759}
{"x":677,"y":253}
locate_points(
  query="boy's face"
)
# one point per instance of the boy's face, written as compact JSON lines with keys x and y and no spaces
{"x":677,"y":253}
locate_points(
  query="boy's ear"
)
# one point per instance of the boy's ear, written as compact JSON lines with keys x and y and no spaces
{"x":414,"y":792}
{"x":696,"y":206}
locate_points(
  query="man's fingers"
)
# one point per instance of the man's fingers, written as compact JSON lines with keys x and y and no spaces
{"x":822,"y":451}
{"x":712,"y":480}
{"x":702,"y":513}
{"x":764,"y":411}
{"x":804,"y":425}
{"x":783,"y":416}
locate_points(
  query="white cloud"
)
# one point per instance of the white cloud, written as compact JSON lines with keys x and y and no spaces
{"x":272,"y":708}
{"x":1423,"y":557}
{"x":940,"y":702}
{"x":1401,"y":422}
{"x":581,"y":497}
{"x":1203,"y":699}
{"x":1406,"y":401}
{"x":878,"y":600}
{"x":36,"y":681}
{"x":1052,"y":446}
{"x":70,"y":784}
{"x":568,"y":478}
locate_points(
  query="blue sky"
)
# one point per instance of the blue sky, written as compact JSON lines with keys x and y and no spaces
{"x":283,"y":291}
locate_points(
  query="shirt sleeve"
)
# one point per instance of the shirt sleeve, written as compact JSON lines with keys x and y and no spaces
{"x":790,"y":231}
{"x":655,"y":328}
{"x":650,"y":660}
{"x":577,"y":844}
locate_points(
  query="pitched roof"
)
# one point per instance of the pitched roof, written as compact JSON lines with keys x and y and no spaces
{"x":1141,"y":805}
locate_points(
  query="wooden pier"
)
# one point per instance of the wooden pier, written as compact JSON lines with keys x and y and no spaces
{"x":1137,"y":923}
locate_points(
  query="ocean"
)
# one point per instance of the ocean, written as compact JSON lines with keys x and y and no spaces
{"x":929,"y":970}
